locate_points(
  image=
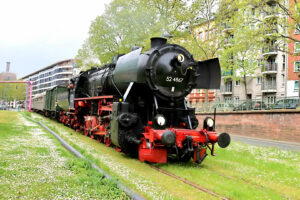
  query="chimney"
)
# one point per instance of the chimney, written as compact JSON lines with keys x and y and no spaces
{"x":7,"y":66}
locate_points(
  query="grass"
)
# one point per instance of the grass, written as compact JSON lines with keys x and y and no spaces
{"x":132,"y":172}
{"x":34,"y":165}
{"x":246,"y":172}
{"x":239,"y":172}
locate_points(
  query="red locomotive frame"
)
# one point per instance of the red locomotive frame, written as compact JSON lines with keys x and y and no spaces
{"x":151,"y":149}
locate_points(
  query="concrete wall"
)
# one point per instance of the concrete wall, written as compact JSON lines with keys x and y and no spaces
{"x":276,"y":125}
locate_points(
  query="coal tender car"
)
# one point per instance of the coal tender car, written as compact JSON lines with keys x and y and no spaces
{"x":137,"y":104}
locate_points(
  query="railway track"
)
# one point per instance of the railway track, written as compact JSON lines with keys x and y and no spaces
{"x":198,"y":187}
{"x":246,"y":182}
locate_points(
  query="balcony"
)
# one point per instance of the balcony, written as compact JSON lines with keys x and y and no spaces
{"x":268,"y":87}
{"x":270,"y":16}
{"x":270,"y":13}
{"x":227,"y":27}
{"x":270,"y":50}
{"x":226,"y":89}
{"x":269,"y":68}
{"x":271,"y":32}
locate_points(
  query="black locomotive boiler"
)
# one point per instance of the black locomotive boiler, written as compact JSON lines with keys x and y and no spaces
{"x":137,"y":104}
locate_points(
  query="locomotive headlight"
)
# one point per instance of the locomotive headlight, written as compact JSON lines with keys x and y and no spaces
{"x":210,"y":122}
{"x":160,"y":120}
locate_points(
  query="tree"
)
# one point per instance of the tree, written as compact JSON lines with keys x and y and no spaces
{"x":242,"y":41}
{"x":86,"y":57}
{"x":123,"y":25}
{"x":287,"y":12}
{"x":273,"y":16}
{"x":200,"y":34}
{"x":128,"y":23}
{"x":12,"y":91}
{"x":131,"y":23}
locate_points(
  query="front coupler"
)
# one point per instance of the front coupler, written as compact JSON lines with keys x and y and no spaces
{"x":156,"y":144}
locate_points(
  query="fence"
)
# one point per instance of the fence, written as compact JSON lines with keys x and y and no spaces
{"x":243,"y":105}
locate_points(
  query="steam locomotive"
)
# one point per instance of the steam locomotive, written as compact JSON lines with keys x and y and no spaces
{"x":137,"y":104}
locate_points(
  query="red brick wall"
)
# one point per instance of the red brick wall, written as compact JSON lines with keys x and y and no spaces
{"x":275,"y":125}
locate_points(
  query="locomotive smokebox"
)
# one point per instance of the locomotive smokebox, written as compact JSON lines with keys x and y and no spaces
{"x":168,"y":138}
{"x":157,"y":42}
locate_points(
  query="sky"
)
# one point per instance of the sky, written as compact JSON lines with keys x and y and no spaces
{"x":38,"y":33}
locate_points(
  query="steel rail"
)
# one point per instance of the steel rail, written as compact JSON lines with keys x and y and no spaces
{"x":133,"y":195}
{"x":188,"y":182}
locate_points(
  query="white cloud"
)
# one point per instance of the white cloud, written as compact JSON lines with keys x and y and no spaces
{"x":55,"y":24}
{"x":25,"y":21}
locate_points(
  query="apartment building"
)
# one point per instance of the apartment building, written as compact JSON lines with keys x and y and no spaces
{"x":269,"y":80}
{"x":58,"y":73}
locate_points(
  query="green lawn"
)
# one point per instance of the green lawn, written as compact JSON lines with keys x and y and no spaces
{"x":34,"y":165}
{"x":238,"y":172}
{"x":246,"y":172}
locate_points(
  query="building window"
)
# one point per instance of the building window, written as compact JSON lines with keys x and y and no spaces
{"x":214,"y":33}
{"x":259,"y":80}
{"x":297,"y":29}
{"x":237,"y":83}
{"x":283,"y":80}
{"x":236,"y":100}
{"x":200,"y":36}
{"x":271,"y":99}
{"x":296,"y":86}
{"x":206,"y":35}
{"x":297,"y":47}
{"x":253,"y":11}
{"x":297,"y":66}
{"x":228,"y":86}
{"x":283,"y":62}
{"x":227,"y":99}
{"x":198,"y":106}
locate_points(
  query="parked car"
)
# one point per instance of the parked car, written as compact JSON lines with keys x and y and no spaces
{"x":2,"y":107}
{"x":222,"y":107}
{"x":251,"y":105}
{"x":289,"y":103}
